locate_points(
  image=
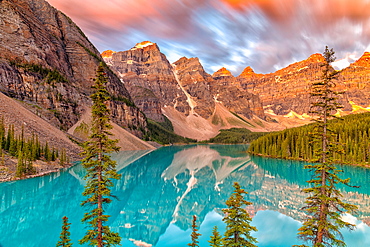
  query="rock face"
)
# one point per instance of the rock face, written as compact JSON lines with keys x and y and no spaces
{"x":149,"y":77}
{"x":229,"y":91}
{"x":354,"y":81}
{"x":182,"y":90}
{"x":287,"y":89}
{"x":222,"y":72}
{"x":197,"y":84}
{"x":189,"y":96}
{"x":221,"y":87}
{"x":46,"y":60}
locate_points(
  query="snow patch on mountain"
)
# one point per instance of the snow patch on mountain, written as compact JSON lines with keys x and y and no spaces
{"x":191,"y":102}
{"x":142,"y":45}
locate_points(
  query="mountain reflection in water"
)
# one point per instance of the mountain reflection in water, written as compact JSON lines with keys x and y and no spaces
{"x":160,"y":190}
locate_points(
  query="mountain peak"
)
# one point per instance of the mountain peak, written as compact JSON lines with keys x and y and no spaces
{"x":222,"y":72}
{"x":187,"y":61}
{"x":363,"y":61}
{"x":145,"y":45}
{"x":181,"y":60}
{"x":247,"y":72}
{"x":317,"y":57}
{"x":107,"y":53}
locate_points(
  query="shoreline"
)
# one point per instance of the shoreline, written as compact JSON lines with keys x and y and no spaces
{"x":10,"y":176}
{"x":367,"y":166}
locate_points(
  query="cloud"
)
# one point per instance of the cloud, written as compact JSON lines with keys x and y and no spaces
{"x":264,"y":34}
{"x":322,"y":10}
{"x":164,"y":18}
{"x":275,"y":229}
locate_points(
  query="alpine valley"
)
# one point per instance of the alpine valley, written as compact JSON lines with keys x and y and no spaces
{"x":47,"y":65}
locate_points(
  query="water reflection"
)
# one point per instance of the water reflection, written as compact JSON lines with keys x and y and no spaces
{"x":161,"y":189}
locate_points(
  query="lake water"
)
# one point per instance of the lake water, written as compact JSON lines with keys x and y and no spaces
{"x":160,"y":191}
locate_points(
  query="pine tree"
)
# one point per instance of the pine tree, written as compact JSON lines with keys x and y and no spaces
{"x":9,"y":138}
{"x":20,"y":165}
{"x":47,"y":153}
{"x":21,"y":139}
{"x":194,"y":234}
{"x":2,"y":133}
{"x":62,"y":159}
{"x":37,"y":147}
{"x":13,"y":142}
{"x":65,"y":240}
{"x":100,"y":168}
{"x":237,"y":219}
{"x":216,"y":238}
{"x":324,"y":205}
{"x":30,"y":169}
{"x":33,"y":148}
{"x":53,"y":156}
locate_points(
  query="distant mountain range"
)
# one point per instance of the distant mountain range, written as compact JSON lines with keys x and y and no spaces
{"x":199,"y":104}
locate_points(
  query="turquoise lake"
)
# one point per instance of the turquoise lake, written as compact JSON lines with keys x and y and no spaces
{"x":160,"y":190}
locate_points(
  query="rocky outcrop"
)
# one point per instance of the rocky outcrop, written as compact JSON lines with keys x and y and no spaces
{"x":248,"y":72}
{"x":46,"y":60}
{"x":222,"y":72}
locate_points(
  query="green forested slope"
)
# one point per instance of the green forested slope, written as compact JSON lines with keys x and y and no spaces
{"x":163,"y":133}
{"x":351,"y":131}
{"x":236,"y":135}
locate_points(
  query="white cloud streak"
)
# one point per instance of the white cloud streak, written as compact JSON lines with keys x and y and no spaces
{"x":265,"y":34}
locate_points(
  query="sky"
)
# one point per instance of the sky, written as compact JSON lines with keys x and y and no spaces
{"x":265,"y":34}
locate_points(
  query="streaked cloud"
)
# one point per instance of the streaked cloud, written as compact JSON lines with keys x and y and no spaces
{"x":264,"y":34}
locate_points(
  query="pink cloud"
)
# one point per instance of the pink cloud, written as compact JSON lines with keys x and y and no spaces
{"x":274,"y":32}
{"x":321,"y":9}
{"x":154,"y":15}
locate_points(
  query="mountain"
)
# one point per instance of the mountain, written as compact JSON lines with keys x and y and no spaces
{"x":149,"y":77}
{"x":48,"y":62}
{"x":46,"y":70}
{"x":286,"y":91}
{"x":354,"y":81}
{"x":197,"y":103}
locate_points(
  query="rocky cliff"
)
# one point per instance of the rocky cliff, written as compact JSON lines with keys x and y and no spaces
{"x":47,"y":61}
{"x":239,"y":100}
{"x":148,"y":75}
{"x":193,"y":100}
{"x":287,"y":91}
{"x":199,"y":104}
{"x":354,"y":81}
